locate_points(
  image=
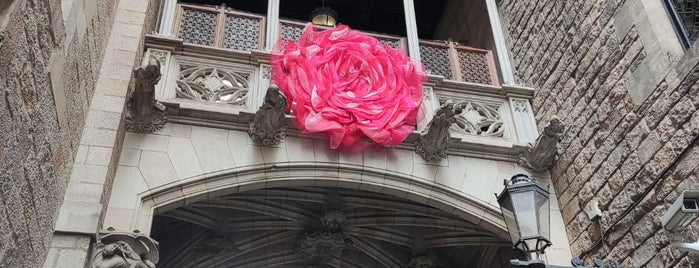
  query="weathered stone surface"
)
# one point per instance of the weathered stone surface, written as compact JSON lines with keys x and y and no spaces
{"x":47,"y":77}
{"x":596,"y":65}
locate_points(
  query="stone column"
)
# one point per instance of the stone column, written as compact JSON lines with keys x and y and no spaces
{"x":501,"y":49}
{"x":167,"y":19}
{"x":411,"y":29}
{"x":272,"y":24}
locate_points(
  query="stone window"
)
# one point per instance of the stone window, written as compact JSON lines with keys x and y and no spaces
{"x":685,"y":15}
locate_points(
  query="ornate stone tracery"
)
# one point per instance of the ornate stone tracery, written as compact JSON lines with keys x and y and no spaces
{"x":479,"y":119}
{"x":125,"y":250}
{"x":542,"y":152}
{"x":213,"y":85}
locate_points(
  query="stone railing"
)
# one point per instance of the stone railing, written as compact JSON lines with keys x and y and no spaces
{"x":224,"y":28}
{"x":291,"y":31}
{"x":219,"y":27}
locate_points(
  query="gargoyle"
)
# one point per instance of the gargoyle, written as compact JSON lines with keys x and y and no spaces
{"x":269,"y":127}
{"x":433,"y":145}
{"x":145,"y":113}
{"x":542,"y":152}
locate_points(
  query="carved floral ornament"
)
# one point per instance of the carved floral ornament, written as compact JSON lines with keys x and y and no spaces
{"x":213,"y":85}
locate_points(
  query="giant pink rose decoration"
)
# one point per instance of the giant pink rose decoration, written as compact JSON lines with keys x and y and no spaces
{"x":349,"y":85}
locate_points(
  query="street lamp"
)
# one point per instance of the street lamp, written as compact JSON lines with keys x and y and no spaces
{"x":525,"y":207}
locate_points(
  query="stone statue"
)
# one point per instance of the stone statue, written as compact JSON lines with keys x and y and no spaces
{"x":269,"y":125}
{"x":145,"y":113}
{"x":125,"y":250}
{"x":433,"y":145}
{"x":542,"y":152}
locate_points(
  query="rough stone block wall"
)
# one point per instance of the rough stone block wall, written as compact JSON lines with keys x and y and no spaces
{"x":47,"y":78}
{"x":615,"y":146}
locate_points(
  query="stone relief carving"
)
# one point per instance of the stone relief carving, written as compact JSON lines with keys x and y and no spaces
{"x":125,"y":250}
{"x":213,"y":85}
{"x":520,"y":105}
{"x":320,"y":246}
{"x":268,"y":127}
{"x":479,"y":119}
{"x":422,"y":261}
{"x":433,"y":144}
{"x":145,"y":114}
{"x":542,"y":152}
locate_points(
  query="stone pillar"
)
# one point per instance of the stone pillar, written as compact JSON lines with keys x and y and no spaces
{"x":411,"y":29}
{"x":501,"y":49}
{"x":167,"y":19}
{"x":272,"y":24}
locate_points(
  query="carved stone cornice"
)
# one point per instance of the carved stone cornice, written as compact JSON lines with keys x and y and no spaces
{"x":540,"y":155}
{"x":125,"y":250}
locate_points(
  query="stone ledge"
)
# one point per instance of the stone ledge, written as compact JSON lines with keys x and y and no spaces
{"x":186,"y":113}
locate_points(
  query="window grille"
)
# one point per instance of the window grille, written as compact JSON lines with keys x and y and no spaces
{"x":685,"y":15}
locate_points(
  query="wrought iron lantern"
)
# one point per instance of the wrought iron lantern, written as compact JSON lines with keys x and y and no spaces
{"x":525,"y":207}
{"x":324,"y":16}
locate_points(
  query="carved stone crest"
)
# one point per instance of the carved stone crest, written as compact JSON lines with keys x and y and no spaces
{"x":269,"y":127}
{"x":542,"y":152}
{"x":433,"y":144}
{"x":145,"y":114}
{"x":125,"y":250}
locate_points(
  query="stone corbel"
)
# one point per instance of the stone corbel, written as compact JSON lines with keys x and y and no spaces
{"x":433,"y":144}
{"x":542,"y":152}
{"x":269,"y":126}
{"x":145,"y":114}
{"x":125,"y":250}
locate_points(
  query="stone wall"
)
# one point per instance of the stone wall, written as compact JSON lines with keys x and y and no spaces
{"x":49,"y":61}
{"x":613,"y":71}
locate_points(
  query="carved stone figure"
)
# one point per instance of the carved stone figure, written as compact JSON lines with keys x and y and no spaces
{"x":433,"y":145}
{"x":145,"y":113}
{"x":268,"y":127}
{"x":125,"y":250}
{"x":542,"y":152}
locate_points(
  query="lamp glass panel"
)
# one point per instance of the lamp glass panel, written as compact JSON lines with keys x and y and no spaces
{"x":544,"y":215}
{"x":510,"y":221}
{"x":526,"y":212}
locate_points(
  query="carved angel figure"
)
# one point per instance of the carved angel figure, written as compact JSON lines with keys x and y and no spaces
{"x":432,"y":146}
{"x":269,"y":127}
